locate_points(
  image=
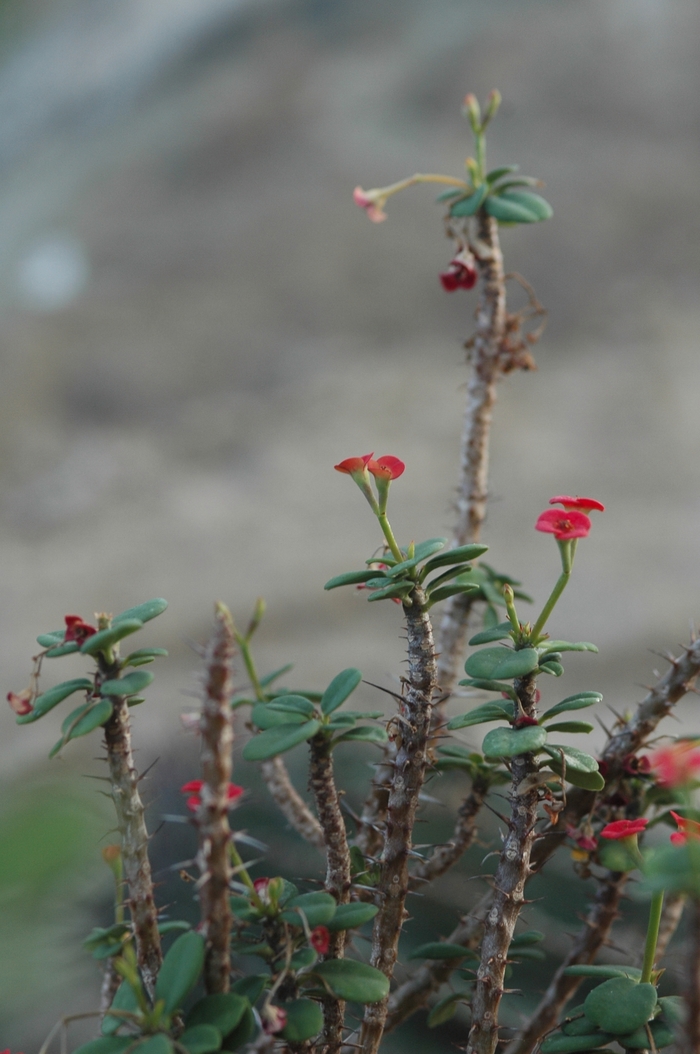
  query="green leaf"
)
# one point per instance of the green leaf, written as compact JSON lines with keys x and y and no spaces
{"x":201,"y":1039}
{"x":469,"y":206}
{"x":616,"y":857}
{"x":350,"y":916}
{"x":560,"y":1044}
{"x":420,"y":553}
{"x":444,"y":1010}
{"x":243,"y":1032}
{"x":106,"y":638}
{"x":552,"y":667}
{"x":180,"y":970}
{"x":252,"y":986}
{"x":106,"y":1045}
{"x":129,"y":684}
{"x":279,"y":672}
{"x":363,"y":734}
{"x":443,"y":592}
{"x":304,"y":1020}
{"x":506,"y":211}
{"x":526,"y":954}
{"x":318,"y":908}
{"x":672,"y":1008}
{"x":487,"y":712}
{"x":144,"y":612}
{"x":86,"y":719}
{"x":340,"y":688}
{"x":223,"y":1011}
{"x":276,"y":741}
{"x":303,"y":958}
{"x":352,"y":578}
{"x":243,"y":909}
{"x":620,"y":1005}
{"x":501,"y":663}
{"x":297,"y":703}
{"x":450,"y":573}
{"x":47,"y":700}
{"x":159,"y":1044}
{"x":124,"y":1000}
{"x":509,"y":742}
{"x":398,"y":589}
{"x":144,"y":655}
{"x":577,"y":1024}
{"x":341,"y":721}
{"x":265,"y":716}
{"x":639,"y":1040}
{"x":565,"y":645}
{"x":675,"y":868}
{"x":497,"y":173}
{"x":354,"y":981}
{"x":447,"y":195}
{"x":50,"y":640}
{"x":584,"y":970}
{"x":500,"y":632}
{"x":462,"y":554}
{"x":587,"y":780}
{"x":534,"y":203}
{"x":62,"y":649}
{"x":575,"y":759}
{"x":573,"y":702}
{"x":570,"y":726}
{"x":173,"y":926}
{"x":524,"y":940}
{"x":442,"y":950}
{"x":502,"y":687}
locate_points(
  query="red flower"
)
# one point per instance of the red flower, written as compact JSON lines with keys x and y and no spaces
{"x":194,"y":787}
{"x":563,"y":525}
{"x":580,"y":504}
{"x":686,"y":829}
{"x":677,"y":764}
{"x":77,"y":630}
{"x":372,"y":202}
{"x":385,"y":467}
{"x":21,"y":703}
{"x":351,"y":465}
{"x":633,"y":765}
{"x":320,"y":939}
{"x":623,"y":829}
{"x":274,"y":1018}
{"x":584,"y":840}
{"x":461,"y":273}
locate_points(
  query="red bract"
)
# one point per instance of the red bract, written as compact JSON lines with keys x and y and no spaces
{"x":563,"y":525}
{"x":352,"y":465}
{"x":320,"y":939}
{"x":623,"y":829}
{"x":460,"y":274}
{"x":580,"y":504}
{"x":677,"y":764}
{"x":686,"y":829}
{"x":194,"y":787}
{"x":372,"y":203}
{"x":77,"y":630}
{"x":386,"y":467}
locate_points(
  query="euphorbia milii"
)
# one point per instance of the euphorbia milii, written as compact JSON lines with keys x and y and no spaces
{"x":580,"y":504}
{"x":563,"y":525}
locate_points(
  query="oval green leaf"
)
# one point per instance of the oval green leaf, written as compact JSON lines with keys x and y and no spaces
{"x":555,"y":669}
{"x":144,"y":655}
{"x":87,"y":718}
{"x":124,"y":1000}
{"x":460,"y":555}
{"x":573,"y":702}
{"x":106,"y":638}
{"x":298,"y":703}
{"x":639,"y":1040}
{"x":497,"y":173}
{"x":469,"y":206}
{"x":144,"y":612}
{"x":265,"y":716}
{"x":62,"y":649}
{"x":50,"y":640}
{"x":350,"y":916}
{"x":592,"y":781}
{"x":444,"y":592}
{"x":340,"y":688}
{"x":487,"y":712}
{"x":561,"y":1044}
{"x":351,"y":578}
{"x":509,"y":742}
{"x":565,"y":645}
{"x":159,"y":1044}
{"x":276,"y":741}
{"x":534,"y":203}
{"x":583,"y":970}
{"x":363,"y":734}
{"x":398,"y":589}
{"x":223,"y":1011}
{"x":441,"y":950}
{"x":502,"y":687}
{"x":620,"y":1005}
{"x":201,"y":1039}
{"x":354,"y":981}
{"x":47,"y":700}
{"x":243,"y":1032}
{"x":575,"y":759}
{"x":500,"y":632}
{"x":304,"y":1020}
{"x":501,"y":663}
{"x":130,"y":684}
{"x":180,"y":970}
{"x":571,"y":726}
{"x":318,"y":908}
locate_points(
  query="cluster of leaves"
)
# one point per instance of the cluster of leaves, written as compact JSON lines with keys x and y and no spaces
{"x":622,"y":1009}
{"x":501,"y":196}
{"x":100,"y":693}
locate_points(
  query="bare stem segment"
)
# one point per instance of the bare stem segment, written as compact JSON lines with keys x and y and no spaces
{"x":591,"y":938}
{"x":290,"y":803}
{"x":484,"y":370}
{"x":407,"y":781}
{"x":212,"y":816}
{"x":132,"y":826}
{"x":338,"y":870}
{"x":442,"y":859}
{"x":509,"y":893}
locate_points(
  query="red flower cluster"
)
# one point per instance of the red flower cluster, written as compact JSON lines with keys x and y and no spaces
{"x":623,"y":829}
{"x":686,"y":829}
{"x":461,"y":273}
{"x":385,"y":467}
{"x":573,"y":522}
{"x":320,"y":939}
{"x":676,"y":764}
{"x":77,"y":630}
{"x":194,"y":787}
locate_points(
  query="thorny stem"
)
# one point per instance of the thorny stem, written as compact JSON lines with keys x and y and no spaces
{"x":212,"y":815}
{"x":690,"y":1040}
{"x":406,"y":783}
{"x":338,"y":870}
{"x":442,"y":859}
{"x":657,"y":704}
{"x":484,"y":372}
{"x":590,"y":939}
{"x":132,"y":826}
{"x":509,"y":892}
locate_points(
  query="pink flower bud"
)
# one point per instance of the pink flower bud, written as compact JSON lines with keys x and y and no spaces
{"x":372,"y":202}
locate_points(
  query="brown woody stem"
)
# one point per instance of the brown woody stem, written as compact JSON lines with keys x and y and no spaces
{"x":213,"y":828}
{"x":591,"y":938}
{"x":442,"y":859}
{"x":132,"y":826}
{"x":406,"y":783}
{"x":338,"y":870}
{"x":290,"y":803}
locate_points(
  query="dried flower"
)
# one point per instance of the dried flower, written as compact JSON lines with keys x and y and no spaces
{"x":563,"y":525}
{"x":372,"y":201}
{"x":274,"y":1018}
{"x":580,"y":504}
{"x":194,"y":787}
{"x":77,"y":630}
{"x":320,"y":939}
{"x":686,"y":829}
{"x":676,"y":764}
{"x":21,"y":702}
{"x":624,"y":829}
{"x":461,"y":272}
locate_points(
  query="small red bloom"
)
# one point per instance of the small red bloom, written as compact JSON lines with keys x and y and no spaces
{"x":623,"y":829}
{"x":352,"y":465}
{"x":77,"y":630}
{"x":320,"y":939}
{"x":371,"y":202}
{"x":194,"y":787}
{"x":580,"y":504}
{"x":461,"y":273}
{"x":386,"y":467}
{"x":676,"y":764}
{"x":21,"y":703}
{"x":686,"y":829}
{"x":635,"y":766}
{"x":584,"y":840}
{"x":274,"y":1018}
{"x":563,"y":525}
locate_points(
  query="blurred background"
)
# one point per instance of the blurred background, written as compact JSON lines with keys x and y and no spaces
{"x":197,"y":323}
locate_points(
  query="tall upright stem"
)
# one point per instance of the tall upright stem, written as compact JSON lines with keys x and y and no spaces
{"x":406,"y":783}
